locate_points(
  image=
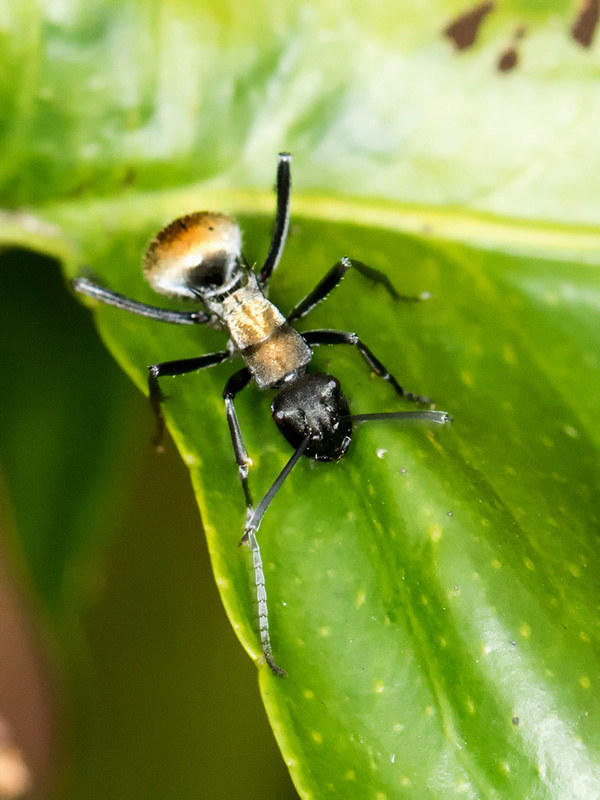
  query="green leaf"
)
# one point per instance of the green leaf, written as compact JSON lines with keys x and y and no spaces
{"x":433,"y":587}
{"x":434,"y":595}
{"x":377,"y":103}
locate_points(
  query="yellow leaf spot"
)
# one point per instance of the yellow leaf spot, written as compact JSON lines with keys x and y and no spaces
{"x":525,"y":630}
{"x":435,"y":532}
{"x":309,"y":694}
{"x":350,"y":775}
{"x":379,"y":687}
{"x":529,"y":564}
{"x":360,"y":599}
{"x":585,"y":681}
{"x":317,"y":737}
{"x":467,"y":379}
{"x":509,"y":355}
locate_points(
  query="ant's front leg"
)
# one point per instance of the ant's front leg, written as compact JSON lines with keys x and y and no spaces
{"x":180,"y":367}
{"x":238,"y":381}
{"x":235,"y":384}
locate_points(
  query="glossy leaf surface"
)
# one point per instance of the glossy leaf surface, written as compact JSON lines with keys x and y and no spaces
{"x":434,"y":595}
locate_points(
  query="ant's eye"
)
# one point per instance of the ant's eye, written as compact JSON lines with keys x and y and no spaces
{"x":197,"y":251}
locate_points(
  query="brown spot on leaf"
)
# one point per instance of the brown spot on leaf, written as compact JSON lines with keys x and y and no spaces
{"x":509,"y":57}
{"x":584,"y":27}
{"x":464,"y":29}
{"x":129,"y":176}
{"x":508,"y":60}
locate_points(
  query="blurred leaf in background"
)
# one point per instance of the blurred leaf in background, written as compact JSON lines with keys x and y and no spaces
{"x":106,"y":620}
{"x":434,"y":595}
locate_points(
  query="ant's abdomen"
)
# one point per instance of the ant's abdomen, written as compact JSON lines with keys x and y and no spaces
{"x":194,"y":254}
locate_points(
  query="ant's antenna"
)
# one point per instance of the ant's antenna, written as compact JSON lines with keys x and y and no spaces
{"x":261,"y":599}
{"x":440,"y":417}
{"x":259,"y":575}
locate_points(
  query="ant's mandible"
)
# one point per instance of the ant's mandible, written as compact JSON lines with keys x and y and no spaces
{"x":199,"y":257}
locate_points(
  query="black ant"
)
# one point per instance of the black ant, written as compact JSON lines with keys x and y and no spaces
{"x":199,"y":257}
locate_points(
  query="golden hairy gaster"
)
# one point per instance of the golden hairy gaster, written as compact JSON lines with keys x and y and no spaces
{"x":189,"y":242}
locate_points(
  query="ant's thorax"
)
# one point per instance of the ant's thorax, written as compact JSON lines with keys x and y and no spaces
{"x":272,"y":350}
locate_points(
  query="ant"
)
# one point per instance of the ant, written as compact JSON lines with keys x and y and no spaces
{"x":199,"y":257}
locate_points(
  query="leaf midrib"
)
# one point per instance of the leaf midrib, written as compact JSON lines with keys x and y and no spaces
{"x":136,"y":210}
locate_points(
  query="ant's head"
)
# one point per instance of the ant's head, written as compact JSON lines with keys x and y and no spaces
{"x":195,"y":256}
{"x":314,"y":405}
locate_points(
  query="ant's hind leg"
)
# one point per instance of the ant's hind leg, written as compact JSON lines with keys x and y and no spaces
{"x":104,"y":295}
{"x":282,"y":219}
{"x":334,"y":277}
{"x":180,"y":367}
{"x":319,"y":337}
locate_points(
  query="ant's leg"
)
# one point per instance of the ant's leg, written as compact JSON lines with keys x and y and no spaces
{"x":333,"y":278}
{"x":238,"y":381}
{"x":313,"y":338}
{"x":84,"y":286}
{"x":180,"y":367}
{"x":282,"y":219}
